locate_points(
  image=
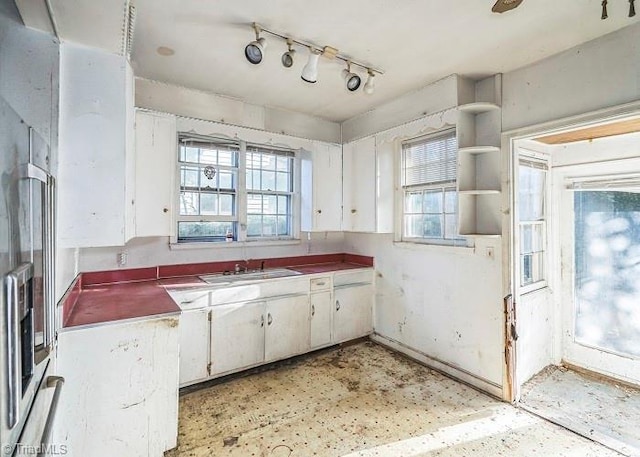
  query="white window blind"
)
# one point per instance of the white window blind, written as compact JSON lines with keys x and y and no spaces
{"x":430,"y":160}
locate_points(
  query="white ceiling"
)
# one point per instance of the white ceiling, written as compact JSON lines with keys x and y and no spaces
{"x":414,"y":41}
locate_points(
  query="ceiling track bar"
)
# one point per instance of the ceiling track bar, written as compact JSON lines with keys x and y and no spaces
{"x":308,"y":44}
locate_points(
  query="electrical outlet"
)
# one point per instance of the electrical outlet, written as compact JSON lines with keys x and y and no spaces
{"x":122,"y":258}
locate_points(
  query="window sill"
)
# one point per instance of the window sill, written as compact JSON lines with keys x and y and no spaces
{"x":434,"y":247}
{"x":233,"y":244}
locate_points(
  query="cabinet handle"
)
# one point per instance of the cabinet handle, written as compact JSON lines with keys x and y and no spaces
{"x":269,"y":319}
{"x":313,"y":310}
{"x":320,"y":283}
{"x":262,"y":321}
{"x":353,"y":211}
{"x":319,"y":211}
{"x":165,"y":210}
{"x":337,"y":305}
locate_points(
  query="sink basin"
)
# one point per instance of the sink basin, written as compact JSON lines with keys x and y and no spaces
{"x":253,"y":276}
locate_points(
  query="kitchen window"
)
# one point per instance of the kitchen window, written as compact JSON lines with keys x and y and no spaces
{"x":429,"y":189}
{"x":231,"y":191}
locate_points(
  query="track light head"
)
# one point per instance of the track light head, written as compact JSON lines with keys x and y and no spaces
{"x":369,"y":85}
{"x":254,"y":52}
{"x":352,"y":80}
{"x":287,"y":57}
{"x":310,"y":70}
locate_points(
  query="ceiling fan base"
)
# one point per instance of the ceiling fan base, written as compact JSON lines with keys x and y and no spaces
{"x":502,"y":6}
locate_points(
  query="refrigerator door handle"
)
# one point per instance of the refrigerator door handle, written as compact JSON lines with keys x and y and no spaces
{"x":13,"y":350}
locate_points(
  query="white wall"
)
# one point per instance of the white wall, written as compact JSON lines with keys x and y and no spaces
{"x":207,"y":106}
{"x":600,"y":73}
{"x":144,"y":252}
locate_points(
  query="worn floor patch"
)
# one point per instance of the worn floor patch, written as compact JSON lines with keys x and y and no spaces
{"x":603,"y":410}
{"x":362,"y":401}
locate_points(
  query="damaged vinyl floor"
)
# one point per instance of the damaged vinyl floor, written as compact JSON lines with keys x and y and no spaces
{"x":601,"y":409}
{"x":360,"y":401}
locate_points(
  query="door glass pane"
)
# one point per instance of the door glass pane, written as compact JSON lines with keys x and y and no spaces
{"x":607,"y":270}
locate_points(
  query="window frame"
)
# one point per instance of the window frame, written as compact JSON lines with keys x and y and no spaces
{"x":240,"y":217}
{"x":457,"y":241}
{"x":543,"y":161}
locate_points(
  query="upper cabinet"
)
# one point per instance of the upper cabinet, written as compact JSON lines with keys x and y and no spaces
{"x":155,"y":172}
{"x":359,"y":186}
{"x":321,"y":183}
{"x":96,"y":163}
{"x":479,"y":127}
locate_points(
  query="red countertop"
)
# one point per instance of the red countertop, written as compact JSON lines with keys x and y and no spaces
{"x":131,"y":294}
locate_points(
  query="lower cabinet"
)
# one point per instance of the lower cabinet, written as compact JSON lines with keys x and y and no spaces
{"x":287,"y":329}
{"x":353,"y":315}
{"x":321,"y":306}
{"x":194,"y":345}
{"x":227,"y":338}
{"x":237,"y":336}
{"x":120,"y":396}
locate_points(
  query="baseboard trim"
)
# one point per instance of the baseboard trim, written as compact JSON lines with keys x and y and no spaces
{"x":445,"y":368}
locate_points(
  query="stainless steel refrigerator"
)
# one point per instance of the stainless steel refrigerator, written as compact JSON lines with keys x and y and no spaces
{"x":27,"y":251}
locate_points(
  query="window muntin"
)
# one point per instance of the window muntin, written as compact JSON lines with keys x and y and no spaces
{"x":215,"y":205}
{"x":532,"y":192}
{"x":269,"y":193}
{"x":430,"y":199}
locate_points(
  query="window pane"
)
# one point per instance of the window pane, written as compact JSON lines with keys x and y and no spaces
{"x":253,"y":179}
{"x":254,"y":225}
{"x":268,"y":180}
{"x":208,"y":204}
{"x":189,"y":203}
{"x":451,"y":202}
{"x":283,"y":182}
{"x":226,"y":158}
{"x":226,"y":204}
{"x":226,"y":179}
{"x":284,"y":225}
{"x":269,"y":203}
{"x":189,"y":154}
{"x":269,"y":226}
{"x":433,"y":226}
{"x":433,"y":201}
{"x":209,"y":156}
{"x":413,"y":226}
{"x":283,"y":204}
{"x":450,"y":226}
{"x":283,"y":163}
{"x":254,"y":204}
{"x":204,"y":231}
{"x":607,"y":268}
{"x":531,"y":193}
{"x":413,"y":202}
{"x":189,"y":176}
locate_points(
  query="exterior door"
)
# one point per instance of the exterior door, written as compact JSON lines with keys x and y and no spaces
{"x":600,"y":235}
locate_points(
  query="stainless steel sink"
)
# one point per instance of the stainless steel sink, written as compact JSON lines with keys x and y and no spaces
{"x":221,"y":278}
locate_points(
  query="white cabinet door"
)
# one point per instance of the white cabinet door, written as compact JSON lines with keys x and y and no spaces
{"x":155,"y":171}
{"x":359,"y":186}
{"x":353,"y":315}
{"x":321,"y":311}
{"x":327,"y":187}
{"x":194,"y":345}
{"x":237,"y":336}
{"x":287,"y":327}
{"x":94,"y":182}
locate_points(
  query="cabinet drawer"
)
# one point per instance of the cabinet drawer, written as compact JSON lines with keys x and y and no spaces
{"x":321,"y":283}
{"x":353,"y":277}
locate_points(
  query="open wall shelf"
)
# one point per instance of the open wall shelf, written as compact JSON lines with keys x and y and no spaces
{"x":479,"y":161}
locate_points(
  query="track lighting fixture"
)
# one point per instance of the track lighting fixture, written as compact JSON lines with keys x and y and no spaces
{"x":287,"y":57}
{"x":605,"y":13}
{"x":254,"y":52}
{"x":310,"y":70}
{"x":369,"y":85}
{"x":351,"y":79}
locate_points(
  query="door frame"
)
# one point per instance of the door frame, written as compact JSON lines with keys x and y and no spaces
{"x":511,"y":384}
